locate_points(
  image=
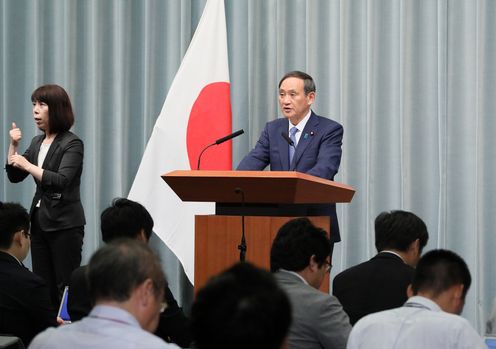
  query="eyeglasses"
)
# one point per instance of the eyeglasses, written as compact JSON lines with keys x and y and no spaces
{"x":163,"y":306}
{"x":328,"y":267}
{"x":27,"y":234}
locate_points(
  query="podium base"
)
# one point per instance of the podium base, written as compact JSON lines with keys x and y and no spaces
{"x":217,"y":239}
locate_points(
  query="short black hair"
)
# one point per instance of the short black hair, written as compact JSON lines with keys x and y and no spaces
{"x":241,"y":308}
{"x":13,"y":217}
{"x":308,"y":83}
{"x":438,"y":270}
{"x":398,"y":229}
{"x":60,"y":114}
{"x":117,"y":268}
{"x":295,"y":243}
{"x":125,"y":219}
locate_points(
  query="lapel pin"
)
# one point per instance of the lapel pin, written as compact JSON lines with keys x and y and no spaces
{"x":311,"y":133}
{"x":305,"y":136}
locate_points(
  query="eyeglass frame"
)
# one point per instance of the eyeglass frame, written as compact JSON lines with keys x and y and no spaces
{"x":27,"y":234}
{"x":163,"y":306}
{"x":328,"y":267}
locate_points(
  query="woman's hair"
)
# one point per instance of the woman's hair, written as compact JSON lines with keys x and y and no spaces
{"x":60,"y":114}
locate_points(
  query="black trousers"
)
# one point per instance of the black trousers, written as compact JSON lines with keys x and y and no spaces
{"x":55,"y":254}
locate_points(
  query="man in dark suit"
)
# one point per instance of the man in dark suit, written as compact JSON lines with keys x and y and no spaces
{"x":301,"y":141}
{"x":129,"y":219}
{"x":381,"y":283}
{"x":25,"y":308}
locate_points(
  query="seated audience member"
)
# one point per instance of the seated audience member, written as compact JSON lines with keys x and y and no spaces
{"x":430,"y":318}
{"x":381,"y":282}
{"x":300,"y":258}
{"x":25,"y":306}
{"x":126,"y":284}
{"x":129,"y":219}
{"x":241,"y":308}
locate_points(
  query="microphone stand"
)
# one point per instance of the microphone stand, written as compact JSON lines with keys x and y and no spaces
{"x":199,"y":157}
{"x":242,"y":246}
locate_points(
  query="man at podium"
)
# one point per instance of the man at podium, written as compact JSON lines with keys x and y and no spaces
{"x":301,"y":141}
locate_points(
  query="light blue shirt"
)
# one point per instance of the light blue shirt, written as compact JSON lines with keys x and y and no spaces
{"x":105,"y":327}
{"x":301,"y":126}
{"x":420,"y":324}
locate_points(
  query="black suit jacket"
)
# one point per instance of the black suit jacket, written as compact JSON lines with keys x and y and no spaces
{"x":372,"y":286}
{"x":59,"y":187}
{"x":173,"y":325}
{"x":25,"y":308}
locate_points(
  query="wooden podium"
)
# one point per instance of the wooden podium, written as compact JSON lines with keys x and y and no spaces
{"x":267,"y":200}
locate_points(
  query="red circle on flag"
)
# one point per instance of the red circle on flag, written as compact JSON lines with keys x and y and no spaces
{"x":209,"y":120}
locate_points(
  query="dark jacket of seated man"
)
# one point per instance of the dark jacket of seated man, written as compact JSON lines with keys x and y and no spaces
{"x":381,"y":282}
{"x":372,"y":286}
{"x":25,"y":306}
{"x":129,"y":219}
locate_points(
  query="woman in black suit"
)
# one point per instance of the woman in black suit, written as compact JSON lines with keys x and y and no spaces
{"x":55,"y":161}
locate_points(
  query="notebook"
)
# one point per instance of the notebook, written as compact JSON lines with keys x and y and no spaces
{"x":490,"y":342}
{"x":63,"y":313}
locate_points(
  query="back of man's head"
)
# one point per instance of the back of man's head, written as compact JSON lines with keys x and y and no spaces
{"x":241,"y":308}
{"x":439,"y":270}
{"x":13,"y":218}
{"x":397,"y":230}
{"x":118,"y":268}
{"x":295,"y":243}
{"x":125,"y":219}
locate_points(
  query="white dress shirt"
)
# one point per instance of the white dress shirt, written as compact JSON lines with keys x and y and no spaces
{"x":41,"y":159}
{"x":105,"y":327}
{"x":419,"y":324}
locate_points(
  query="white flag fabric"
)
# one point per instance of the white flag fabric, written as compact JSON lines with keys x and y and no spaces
{"x":196,"y":112}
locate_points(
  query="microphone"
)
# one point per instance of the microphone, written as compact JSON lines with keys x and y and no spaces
{"x":219,"y":141}
{"x":232,"y":135}
{"x":286,"y":137}
{"x":290,"y":142}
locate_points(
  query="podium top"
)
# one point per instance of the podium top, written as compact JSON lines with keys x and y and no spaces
{"x":283,"y":187}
